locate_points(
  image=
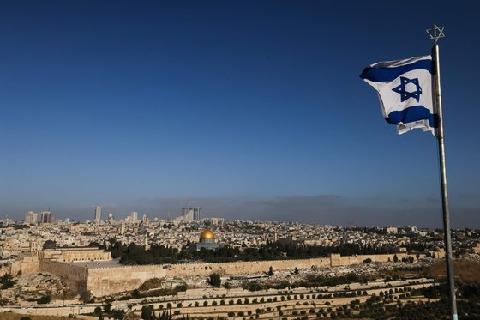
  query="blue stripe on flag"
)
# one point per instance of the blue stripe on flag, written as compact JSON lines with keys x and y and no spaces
{"x":412,"y":114}
{"x":379,"y":74}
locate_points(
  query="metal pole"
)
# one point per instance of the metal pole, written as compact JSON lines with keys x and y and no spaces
{"x":443,"y":180}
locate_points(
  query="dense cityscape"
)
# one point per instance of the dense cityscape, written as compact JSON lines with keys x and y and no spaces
{"x":211,"y":268}
{"x":239,"y":160}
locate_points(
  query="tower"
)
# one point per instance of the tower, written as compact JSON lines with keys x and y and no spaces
{"x":98,"y":214}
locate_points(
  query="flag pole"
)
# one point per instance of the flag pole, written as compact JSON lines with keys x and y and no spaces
{"x":436,"y":33}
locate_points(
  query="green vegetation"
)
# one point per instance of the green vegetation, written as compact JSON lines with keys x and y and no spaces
{"x":151,"y":284}
{"x":308,"y":282}
{"x":157,"y":254}
{"x":270,"y":271}
{"x":214,"y":280}
{"x":7,"y":281}
{"x":147,"y":313}
{"x":49,"y":244}
{"x":382,"y":307}
{"x":328,"y":281}
{"x":86,"y":297}
{"x":147,"y":291}
{"x":44,"y":299}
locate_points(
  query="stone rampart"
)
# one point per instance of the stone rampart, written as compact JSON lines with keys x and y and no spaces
{"x":27,"y":265}
{"x":239,"y":268}
{"x":74,"y":276}
{"x":112,"y":279}
{"x":106,"y":281}
{"x":337,"y":260}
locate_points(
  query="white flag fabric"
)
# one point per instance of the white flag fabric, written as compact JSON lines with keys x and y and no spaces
{"x":405,"y":91}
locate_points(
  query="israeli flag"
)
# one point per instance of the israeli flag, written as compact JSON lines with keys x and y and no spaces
{"x":405,"y":91}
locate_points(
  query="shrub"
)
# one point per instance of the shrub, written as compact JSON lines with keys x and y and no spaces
{"x":46,"y":300}
{"x":214,"y":280}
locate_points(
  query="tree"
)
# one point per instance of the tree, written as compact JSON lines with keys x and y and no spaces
{"x":97,"y":311}
{"x":7,"y":281}
{"x":50,"y":244}
{"x":118,"y":314}
{"x":227,"y":285}
{"x":270,"y":271}
{"x":147,"y":313}
{"x":44,"y":299}
{"x":86,"y":296}
{"x":214,"y":280}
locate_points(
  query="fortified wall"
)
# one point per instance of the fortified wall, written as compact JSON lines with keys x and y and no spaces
{"x":337,"y":260}
{"x":28,"y":265}
{"x":110,"y":280}
{"x":239,"y":268}
{"x":75,"y":267}
{"x":74,"y":276}
{"x":106,"y":281}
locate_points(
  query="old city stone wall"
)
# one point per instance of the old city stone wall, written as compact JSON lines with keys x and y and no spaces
{"x":337,"y":260}
{"x":238,"y":268}
{"x":109,"y":280}
{"x":74,"y":276}
{"x":28,"y":265}
{"x":105,"y":281}
{"x":113,"y":280}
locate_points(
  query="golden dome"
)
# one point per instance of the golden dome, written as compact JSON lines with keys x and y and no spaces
{"x":207,"y":234}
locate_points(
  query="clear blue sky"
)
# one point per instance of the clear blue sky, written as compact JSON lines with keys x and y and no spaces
{"x":247,"y":108}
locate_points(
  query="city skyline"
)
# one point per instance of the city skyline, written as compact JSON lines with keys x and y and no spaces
{"x":244,"y":110}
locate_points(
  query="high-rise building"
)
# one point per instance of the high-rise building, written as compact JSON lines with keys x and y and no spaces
{"x":134,"y":216}
{"x":31,"y":217}
{"x":98,"y":214}
{"x":190,"y":214}
{"x":391,"y":229}
{"x":46,"y":216}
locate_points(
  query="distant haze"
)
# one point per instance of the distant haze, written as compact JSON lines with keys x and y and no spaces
{"x":328,"y":209}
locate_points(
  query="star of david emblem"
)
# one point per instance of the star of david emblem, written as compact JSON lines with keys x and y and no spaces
{"x":402,"y":89}
{"x":436,"y":33}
